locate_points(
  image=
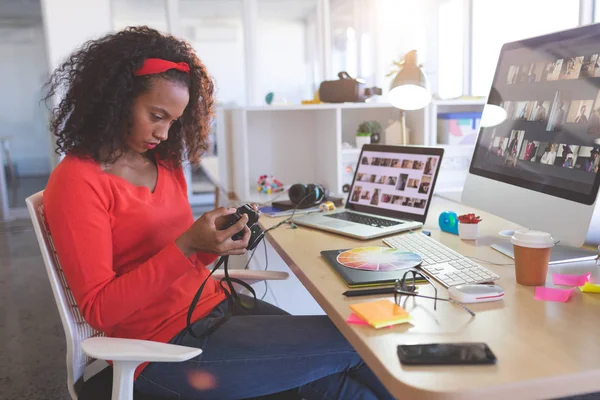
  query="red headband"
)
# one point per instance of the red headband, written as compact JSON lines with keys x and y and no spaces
{"x":157,"y":65}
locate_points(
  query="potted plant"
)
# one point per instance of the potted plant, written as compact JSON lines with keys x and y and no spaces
{"x":362,"y":138}
{"x":373,"y":128}
{"x":467,"y":226}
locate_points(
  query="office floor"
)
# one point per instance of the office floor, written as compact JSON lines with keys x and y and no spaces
{"x":32,"y":344}
{"x":32,"y":354}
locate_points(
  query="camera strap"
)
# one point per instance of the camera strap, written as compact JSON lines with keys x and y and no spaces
{"x":232,"y":298}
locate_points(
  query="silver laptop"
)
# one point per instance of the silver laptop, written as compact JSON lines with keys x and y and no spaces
{"x":390,"y":193}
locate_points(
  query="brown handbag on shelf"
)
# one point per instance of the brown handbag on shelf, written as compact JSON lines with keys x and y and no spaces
{"x":346,"y":89}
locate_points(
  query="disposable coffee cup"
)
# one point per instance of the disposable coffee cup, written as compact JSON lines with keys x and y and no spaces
{"x":532,"y":256}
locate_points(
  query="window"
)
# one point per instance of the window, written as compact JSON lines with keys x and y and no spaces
{"x":498,"y":22}
{"x":351,"y":31}
{"x":343,"y":38}
{"x":402,"y":26}
{"x":451,"y":49}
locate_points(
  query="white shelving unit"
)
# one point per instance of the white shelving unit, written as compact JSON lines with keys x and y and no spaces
{"x":306,"y":143}
{"x":451,"y":106}
{"x":298,"y":143}
{"x":457,"y":158}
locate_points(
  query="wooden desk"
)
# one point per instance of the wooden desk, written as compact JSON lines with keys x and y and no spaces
{"x":544,"y":350}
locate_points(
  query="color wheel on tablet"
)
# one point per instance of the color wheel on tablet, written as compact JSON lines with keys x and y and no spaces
{"x":378,"y":259}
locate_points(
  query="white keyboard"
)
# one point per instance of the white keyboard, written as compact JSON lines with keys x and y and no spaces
{"x":441,"y":263}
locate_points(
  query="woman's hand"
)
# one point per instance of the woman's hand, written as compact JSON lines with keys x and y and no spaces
{"x":220,"y":221}
{"x":206,"y":236}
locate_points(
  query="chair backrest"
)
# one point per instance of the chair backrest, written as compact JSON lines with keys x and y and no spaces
{"x":76,"y":329}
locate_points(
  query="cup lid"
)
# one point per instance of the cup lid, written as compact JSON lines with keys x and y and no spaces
{"x":532,"y":239}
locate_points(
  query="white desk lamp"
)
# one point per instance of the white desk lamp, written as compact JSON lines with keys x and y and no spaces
{"x":492,"y":114}
{"x":409,"y":90}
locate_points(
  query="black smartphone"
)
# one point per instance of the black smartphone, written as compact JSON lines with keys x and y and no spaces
{"x":446,"y":354}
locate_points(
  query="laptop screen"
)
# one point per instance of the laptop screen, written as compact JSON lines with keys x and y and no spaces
{"x":397,"y":182}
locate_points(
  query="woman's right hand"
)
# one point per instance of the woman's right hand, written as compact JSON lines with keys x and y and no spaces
{"x":205,"y":235}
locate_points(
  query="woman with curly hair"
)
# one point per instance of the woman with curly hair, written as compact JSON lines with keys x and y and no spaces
{"x":134,"y":104}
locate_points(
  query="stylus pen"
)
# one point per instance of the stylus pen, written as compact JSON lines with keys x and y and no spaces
{"x":369,"y":292}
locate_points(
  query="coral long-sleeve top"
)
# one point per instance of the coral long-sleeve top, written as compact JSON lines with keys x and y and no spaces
{"x":116,"y":244}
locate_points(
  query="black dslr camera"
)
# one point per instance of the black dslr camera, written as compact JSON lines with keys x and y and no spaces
{"x":256,"y":233}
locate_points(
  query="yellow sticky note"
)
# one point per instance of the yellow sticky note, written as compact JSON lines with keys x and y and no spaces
{"x":381,"y":313}
{"x":590,"y":288}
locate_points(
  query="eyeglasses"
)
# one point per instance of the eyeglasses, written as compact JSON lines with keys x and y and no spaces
{"x":406,"y":286}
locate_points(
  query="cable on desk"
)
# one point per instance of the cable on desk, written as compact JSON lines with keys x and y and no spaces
{"x":285,"y":221}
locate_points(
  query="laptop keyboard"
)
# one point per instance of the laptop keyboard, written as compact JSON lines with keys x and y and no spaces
{"x":364,"y":219}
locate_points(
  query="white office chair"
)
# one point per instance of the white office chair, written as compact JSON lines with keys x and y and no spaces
{"x":84,"y":344}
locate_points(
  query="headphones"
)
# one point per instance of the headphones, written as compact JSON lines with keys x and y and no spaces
{"x":305,"y":196}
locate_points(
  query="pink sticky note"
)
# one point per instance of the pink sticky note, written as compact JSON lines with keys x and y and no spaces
{"x":355,"y":319}
{"x":571,"y":280}
{"x":551,"y":294}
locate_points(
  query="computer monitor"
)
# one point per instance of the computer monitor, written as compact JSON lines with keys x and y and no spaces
{"x":539,"y":166}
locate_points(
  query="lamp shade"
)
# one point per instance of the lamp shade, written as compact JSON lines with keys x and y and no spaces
{"x":492,"y":115}
{"x":410,"y":88}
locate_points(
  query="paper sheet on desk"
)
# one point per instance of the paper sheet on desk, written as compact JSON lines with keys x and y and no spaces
{"x":551,"y":294}
{"x":571,"y":280}
{"x":590,"y":288}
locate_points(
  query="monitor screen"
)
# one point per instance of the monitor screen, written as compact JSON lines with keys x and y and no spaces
{"x":400,"y":182}
{"x":550,"y":139}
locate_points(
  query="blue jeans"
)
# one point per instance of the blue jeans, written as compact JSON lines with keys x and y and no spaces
{"x":263,"y":351}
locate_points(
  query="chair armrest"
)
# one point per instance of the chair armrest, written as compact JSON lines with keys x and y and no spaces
{"x":253,"y":275}
{"x":117,"y":349}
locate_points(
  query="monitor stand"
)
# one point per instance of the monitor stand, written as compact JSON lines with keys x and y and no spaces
{"x":560,"y":253}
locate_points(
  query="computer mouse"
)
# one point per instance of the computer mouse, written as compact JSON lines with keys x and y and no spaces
{"x":506,"y":233}
{"x":475,"y":293}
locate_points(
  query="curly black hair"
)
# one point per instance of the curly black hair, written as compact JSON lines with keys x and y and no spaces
{"x":99,"y":87}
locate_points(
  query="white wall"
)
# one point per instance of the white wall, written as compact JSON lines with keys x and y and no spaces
{"x":218,"y":42}
{"x":281,"y":62}
{"x":67,"y":25}
{"x":22,"y":116}
{"x":220,"y":46}
{"x":139,"y":12}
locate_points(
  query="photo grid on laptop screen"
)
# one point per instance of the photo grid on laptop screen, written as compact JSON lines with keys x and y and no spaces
{"x":394,"y":181}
